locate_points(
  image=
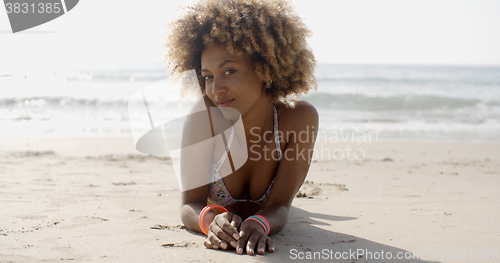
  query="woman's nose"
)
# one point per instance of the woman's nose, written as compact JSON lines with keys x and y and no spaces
{"x":219,"y":87}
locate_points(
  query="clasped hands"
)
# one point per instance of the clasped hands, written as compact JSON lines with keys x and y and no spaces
{"x":227,"y":231}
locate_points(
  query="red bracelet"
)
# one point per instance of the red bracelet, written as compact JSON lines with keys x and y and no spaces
{"x":204,"y":213}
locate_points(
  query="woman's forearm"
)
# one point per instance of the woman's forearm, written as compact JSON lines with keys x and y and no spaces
{"x":190,"y":214}
{"x":276,"y":215}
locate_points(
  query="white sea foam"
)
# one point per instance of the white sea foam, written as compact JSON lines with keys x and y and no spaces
{"x":407,"y":102}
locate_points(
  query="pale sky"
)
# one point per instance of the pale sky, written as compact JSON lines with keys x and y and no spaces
{"x":452,"y":32}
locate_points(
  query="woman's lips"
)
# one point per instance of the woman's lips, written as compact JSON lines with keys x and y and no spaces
{"x":224,"y":103}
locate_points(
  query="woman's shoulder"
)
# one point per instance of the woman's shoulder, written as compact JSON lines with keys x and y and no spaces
{"x":297,"y":114}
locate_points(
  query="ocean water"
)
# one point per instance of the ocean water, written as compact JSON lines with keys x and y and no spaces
{"x":423,"y":103}
{"x":395,"y":102}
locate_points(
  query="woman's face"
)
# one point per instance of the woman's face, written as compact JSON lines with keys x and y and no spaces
{"x":230,"y":80}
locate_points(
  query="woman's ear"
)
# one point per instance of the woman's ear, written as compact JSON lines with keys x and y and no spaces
{"x":263,"y":85}
{"x":269,"y":84}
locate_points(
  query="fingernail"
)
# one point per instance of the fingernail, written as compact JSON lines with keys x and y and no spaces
{"x":223,"y":245}
{"x":240,"y":250}
{"x":236,"y":236}
{"x":216,"y":247}
{"x":261,"y":250}
{"x":233,"y":223}
{"x":233,"y":244}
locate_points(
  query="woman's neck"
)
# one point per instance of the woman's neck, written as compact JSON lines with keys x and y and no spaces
{"x":259,"y":119}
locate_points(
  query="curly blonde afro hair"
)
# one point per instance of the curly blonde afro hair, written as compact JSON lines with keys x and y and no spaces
{"x":268,"y":31}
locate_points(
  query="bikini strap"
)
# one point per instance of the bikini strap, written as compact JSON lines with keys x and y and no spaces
{"x":219,"y":163}
{"x":276,"y":134}
{"x":276,"y":140}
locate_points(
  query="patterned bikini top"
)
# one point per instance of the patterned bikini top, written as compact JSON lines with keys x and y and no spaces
{"x":218,"y":193}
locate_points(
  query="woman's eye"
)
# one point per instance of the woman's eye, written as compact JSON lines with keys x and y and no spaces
{"x":206,"y":78}
{"x":229,"y":71}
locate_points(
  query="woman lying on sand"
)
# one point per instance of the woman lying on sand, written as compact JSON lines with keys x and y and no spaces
{"x":251,"y":56}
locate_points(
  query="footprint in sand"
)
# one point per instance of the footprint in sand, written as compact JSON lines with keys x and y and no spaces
{"x":33,"y":154}
{"x":173,"y":228}
{"x":310,"y":189}
{"x":340,"y":187}
{"x":180,"y":244}
{"x":124,"y":183}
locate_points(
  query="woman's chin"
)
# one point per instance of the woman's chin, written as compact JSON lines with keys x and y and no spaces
{"x":230,"y":113}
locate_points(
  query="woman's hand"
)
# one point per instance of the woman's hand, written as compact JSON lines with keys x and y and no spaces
{"x":223,"y":231}
{"x":252,"y":236}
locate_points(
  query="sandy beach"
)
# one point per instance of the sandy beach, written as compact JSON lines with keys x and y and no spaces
{"x":99,"y":200}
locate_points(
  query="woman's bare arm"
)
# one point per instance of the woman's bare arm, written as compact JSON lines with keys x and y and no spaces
{"x":195,"y":170}
{"x":291,"y":173}
{"x":196,"y":160}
